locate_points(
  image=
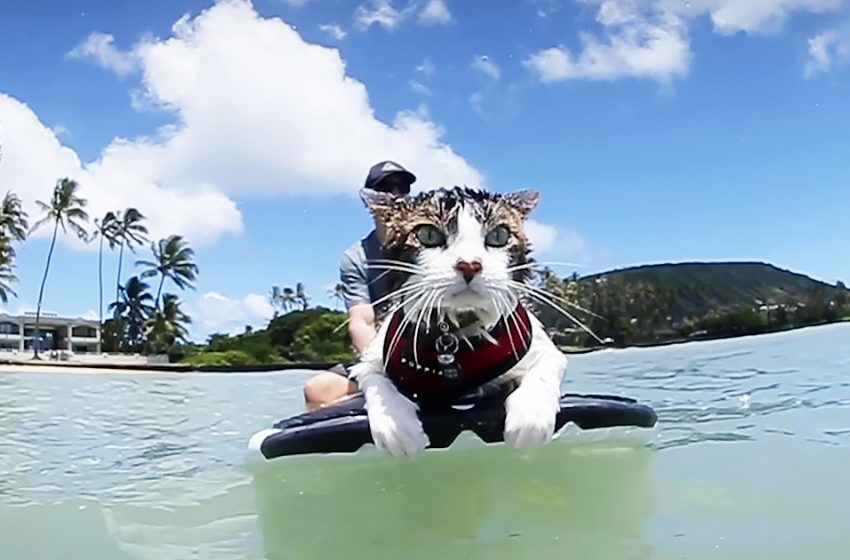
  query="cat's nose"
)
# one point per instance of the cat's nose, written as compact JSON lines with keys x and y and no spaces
{"x":468,"y":269}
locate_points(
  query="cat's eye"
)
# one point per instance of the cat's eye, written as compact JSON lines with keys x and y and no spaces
{"x":498,"y":237}
{"x":430,"y":236}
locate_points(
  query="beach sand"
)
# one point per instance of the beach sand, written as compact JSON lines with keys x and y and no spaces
{"x":51,"y":366}
{"x":34,"y":366}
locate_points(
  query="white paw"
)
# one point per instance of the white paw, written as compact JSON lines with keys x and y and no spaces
{"x":530,"y":413}
{"x":395,"y":426}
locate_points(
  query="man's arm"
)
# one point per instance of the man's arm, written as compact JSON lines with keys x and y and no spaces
{"x":361,"y":325}
{"x":361,"y":315}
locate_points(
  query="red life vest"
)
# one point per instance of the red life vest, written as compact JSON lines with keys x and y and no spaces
{"x":427,"y":378}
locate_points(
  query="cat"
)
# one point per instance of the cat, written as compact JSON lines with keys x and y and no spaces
{"x":456,"y":261}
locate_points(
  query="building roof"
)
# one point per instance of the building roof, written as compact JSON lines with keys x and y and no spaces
{"x":49,"y":319}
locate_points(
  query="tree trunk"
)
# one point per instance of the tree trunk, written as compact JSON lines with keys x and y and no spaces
{"x":37,"y":341}
{"x":118,"y":278}
{"x":158,"y":292}
{"x":100,"y":282}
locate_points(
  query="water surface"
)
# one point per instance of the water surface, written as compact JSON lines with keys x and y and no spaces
{"x":749,"y":460}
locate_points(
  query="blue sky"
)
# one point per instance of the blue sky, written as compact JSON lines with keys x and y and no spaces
{"x":656,"y":131}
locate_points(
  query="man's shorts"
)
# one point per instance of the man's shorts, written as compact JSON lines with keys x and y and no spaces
{"x":341,"y":369}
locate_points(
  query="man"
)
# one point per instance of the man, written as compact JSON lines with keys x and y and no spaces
{"x":363,"y":285}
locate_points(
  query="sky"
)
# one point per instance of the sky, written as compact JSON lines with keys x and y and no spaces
{"x":655,"y":131}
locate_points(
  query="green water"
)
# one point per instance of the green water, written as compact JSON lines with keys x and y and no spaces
{"x":750,"y":460}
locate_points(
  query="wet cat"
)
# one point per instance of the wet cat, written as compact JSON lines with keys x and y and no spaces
{"x":456,"y":260}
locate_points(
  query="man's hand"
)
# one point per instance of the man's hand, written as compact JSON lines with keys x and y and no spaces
{"x":361,"y":325}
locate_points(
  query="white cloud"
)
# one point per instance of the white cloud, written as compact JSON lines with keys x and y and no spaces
{"x":649,"y":39}
{"x":546,"y":8}
{"x":483,"y":64}
{"x":635,"y":46}
{"x":125,"y":175}
{"x":490,"y":74}
{"x":60,"y":130}
{"x":827,"y":50}
{"x":22,"y":309}
{"x":477,"y":100}
{"x":334,"y":30}
{"x":419,"y":87}
{"x":435,"y":12}
{"x":100,"y":48}
{"x":426,"y":68}
{"x":749,"y":16}
{"x":563,"y":246}
{"x":427,"y":71}
{"x":267,"y":130}
{"x":382,"y":13}
{"x":214,"y":312}
{"x":541,"y":236}
{"x":90,"y":315}
{"x":385,"y":14}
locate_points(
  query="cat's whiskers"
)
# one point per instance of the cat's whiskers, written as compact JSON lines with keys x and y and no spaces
{"x":401,"y":291}
{"x":543,"y":299}
{"x":392,"y":265}
{"x":427,"y":307}
{"x":405,"y":289}
{"x":505,"y":311}
{"x":560,"y":299}
{"x":532,"y":264}
{"x":420,"y":299}
{"x":386,"y":263}
{"x":524,"y":329}
{"x":395,"y":293}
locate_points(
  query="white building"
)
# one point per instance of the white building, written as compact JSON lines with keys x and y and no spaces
{"x":75,"y":334}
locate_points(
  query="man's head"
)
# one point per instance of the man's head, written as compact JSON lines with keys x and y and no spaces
{"x":389,"y":177}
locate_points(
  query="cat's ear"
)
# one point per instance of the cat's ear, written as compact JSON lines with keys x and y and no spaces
{"x":524,"y":200}
{"x":378,"y":203}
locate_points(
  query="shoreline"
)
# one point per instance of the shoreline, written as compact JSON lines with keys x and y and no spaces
{"x":47,"y":366}
{"x":8,"y":366}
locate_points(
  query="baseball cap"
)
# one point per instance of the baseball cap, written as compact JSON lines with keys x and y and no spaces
{"x":382,"y":170}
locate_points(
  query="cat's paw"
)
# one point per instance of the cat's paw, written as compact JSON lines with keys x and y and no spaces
{"x":395,"y":426}
{"x":530,"y":413}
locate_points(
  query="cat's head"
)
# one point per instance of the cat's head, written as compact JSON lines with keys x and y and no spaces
{"x":460,"y":247}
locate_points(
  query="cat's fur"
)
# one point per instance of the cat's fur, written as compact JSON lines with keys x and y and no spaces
{"x":465,"y":217}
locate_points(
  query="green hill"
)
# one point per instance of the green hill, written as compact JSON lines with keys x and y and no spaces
{"x":658,"y":302}
{"x":699,"y":288}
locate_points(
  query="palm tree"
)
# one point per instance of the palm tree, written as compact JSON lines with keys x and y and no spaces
{"x":167,"y":326}
{"x":130,"y":233}
{"x":133,"y":311}
{"x":13,"y":227}
{"x":64,"y":208}
{"x":287,"y":298}
{"x":174,"y":260}
{"x":107,"y":229}
{"x":13,"y":219}
{"x":7,"y":270}
{"x":301,"y":295}
{"x":338,"y":292}
{"x":276,"y":299}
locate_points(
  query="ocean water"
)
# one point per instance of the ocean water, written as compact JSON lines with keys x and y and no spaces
{"x":750,"y":459}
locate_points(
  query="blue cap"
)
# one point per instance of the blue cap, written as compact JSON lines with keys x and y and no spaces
{"x":380,"y":171}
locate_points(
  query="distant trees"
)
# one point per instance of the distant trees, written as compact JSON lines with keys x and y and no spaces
{"x":314,"y":334}
{"x":284,"y":299}
{"x":140,"y":320}
{"x":636,"y":311}
{"x":13,"y":230}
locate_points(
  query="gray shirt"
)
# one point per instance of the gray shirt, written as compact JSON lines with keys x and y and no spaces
{"x":363,"y":283}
